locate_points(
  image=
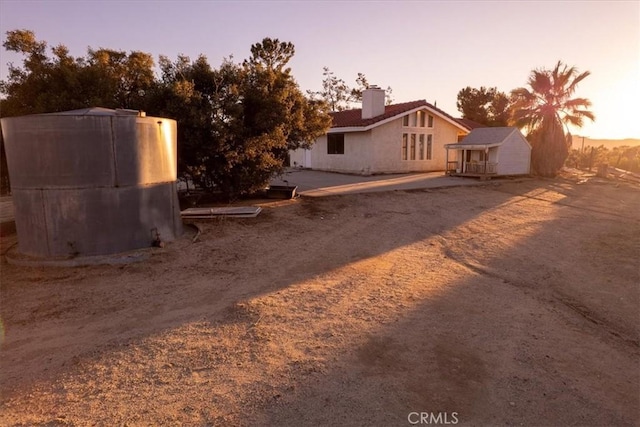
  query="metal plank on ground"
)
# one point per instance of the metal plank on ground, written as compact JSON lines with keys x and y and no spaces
{"x":235,"y":212}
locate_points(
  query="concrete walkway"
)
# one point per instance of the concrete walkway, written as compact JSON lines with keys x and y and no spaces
{"x":317,"y":183}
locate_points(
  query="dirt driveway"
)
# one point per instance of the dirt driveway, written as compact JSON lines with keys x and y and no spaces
{"x":512,"y":303}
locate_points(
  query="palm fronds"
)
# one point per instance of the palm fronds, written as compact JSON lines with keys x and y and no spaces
{"x":544,"y":107}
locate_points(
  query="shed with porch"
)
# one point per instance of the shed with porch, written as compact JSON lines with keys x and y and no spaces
{"x":491,"y":151}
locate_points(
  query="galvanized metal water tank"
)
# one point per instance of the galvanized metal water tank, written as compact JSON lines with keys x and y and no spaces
{"x":92,"y":182}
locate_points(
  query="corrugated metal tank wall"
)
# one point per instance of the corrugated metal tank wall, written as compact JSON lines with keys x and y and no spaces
{"x":92,"y":182}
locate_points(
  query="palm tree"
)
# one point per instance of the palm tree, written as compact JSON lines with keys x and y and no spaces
{"x":545,"y":110}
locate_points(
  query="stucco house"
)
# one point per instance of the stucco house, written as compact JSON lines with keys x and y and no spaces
{"x":406,"y":137}
{"x":490,"y":151}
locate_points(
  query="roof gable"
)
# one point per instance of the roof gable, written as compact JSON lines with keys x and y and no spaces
{"x":353,"y":118}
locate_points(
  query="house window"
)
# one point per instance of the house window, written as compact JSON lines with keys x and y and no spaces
{"x":421,"y":148}
{"x":430,"y":121}
{"x":405,"y":140}
{"x":335,"y":143}
{"x":484,"y":156}
{"x":405,"y":121}
{"x":429,"y":145}
{"x":412,"y":152}
{"x":421,"y":116}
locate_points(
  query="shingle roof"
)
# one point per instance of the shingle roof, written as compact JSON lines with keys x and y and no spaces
{"x":470,"y":123}
{"x":487,"y":135}
{"x":353,"y":118}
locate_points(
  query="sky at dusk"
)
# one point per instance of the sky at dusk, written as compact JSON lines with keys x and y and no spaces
{"x":422,"y":49}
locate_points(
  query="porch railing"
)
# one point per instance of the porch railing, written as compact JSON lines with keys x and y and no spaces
{"x":480,"y":167}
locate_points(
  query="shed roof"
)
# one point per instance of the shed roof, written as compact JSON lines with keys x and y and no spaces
{"x":481,"y":138}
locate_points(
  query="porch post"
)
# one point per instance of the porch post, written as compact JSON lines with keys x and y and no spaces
{"x":486,"y":154}
{"x":446,"y":161}
{"x":462,"y":165}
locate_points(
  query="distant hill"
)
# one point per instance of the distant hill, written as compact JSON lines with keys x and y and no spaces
{"x":608,"y":143}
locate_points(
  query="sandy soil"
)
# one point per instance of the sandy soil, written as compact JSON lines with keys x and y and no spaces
{"x":514,"y":303}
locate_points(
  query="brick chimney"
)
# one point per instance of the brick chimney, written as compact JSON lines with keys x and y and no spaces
{"x":372,"y":102}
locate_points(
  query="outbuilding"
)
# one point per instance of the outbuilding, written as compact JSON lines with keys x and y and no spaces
{"x":490,"y":151}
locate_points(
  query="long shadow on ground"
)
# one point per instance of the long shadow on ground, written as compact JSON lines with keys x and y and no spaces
{"x":479,"y":340}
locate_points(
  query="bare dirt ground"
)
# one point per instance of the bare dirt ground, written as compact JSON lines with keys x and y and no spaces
{"x":514,"y":303}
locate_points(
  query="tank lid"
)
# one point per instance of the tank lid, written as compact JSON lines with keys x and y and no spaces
{"x":98,"y":111}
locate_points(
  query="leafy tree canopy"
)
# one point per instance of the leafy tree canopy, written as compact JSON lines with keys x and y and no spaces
{"x":237,"y":123}
{"x":271,"y":54}
{"x":486,"y":106}
{"x":108,"y":78}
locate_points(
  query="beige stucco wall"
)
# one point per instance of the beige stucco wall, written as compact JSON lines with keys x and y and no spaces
{"x":387,"y":146}
{"x":356,"y":157}
{"x":379,"y":150}
{"x":297,"y":158}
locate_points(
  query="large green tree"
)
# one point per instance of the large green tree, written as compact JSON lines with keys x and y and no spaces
{"x":487,"y":106}
{"x":545,"y":109}
{"x":237,"y":124}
